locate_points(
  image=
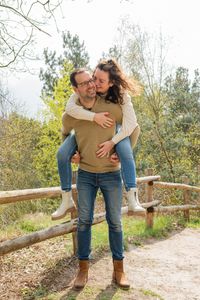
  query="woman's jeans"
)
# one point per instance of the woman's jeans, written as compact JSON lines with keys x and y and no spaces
{"x":110,"y":184}
{"x":124,"y":152}
{"x":64,"y":155}
{"x":128,"y":169}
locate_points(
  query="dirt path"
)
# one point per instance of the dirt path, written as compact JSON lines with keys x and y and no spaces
{"x":168,"y":269}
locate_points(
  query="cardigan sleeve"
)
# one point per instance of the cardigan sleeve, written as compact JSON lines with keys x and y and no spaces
{"x":77,"y":111}
{"x":129,"y":120}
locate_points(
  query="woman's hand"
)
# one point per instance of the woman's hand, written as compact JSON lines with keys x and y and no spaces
{"x":103,"y":120}
{"x":76,"y":158}
{"x":105,"y":149}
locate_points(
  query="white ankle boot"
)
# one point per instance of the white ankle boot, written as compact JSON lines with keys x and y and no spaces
{"x":67,"y":205}
{"x":134,"y":205}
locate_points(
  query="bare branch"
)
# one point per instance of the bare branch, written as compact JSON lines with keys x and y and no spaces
{"x":18,"y":22}
{"x":17,"y":53}
{"x":25,"y":17}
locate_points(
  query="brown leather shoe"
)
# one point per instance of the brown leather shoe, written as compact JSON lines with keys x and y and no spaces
{"x":119,"y":276}
{"x":82,"y":276}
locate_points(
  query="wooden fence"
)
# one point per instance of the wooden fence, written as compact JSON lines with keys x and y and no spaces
{"x":152,"y":206}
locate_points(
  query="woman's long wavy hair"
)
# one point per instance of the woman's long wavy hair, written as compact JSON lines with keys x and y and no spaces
{"x":121,"y":83}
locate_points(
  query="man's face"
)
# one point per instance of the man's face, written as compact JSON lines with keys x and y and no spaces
{"x":102,"y":81}
{"x":85,"y":86}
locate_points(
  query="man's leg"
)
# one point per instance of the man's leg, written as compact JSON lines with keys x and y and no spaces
{"x":87,"y":190}
{"x":111,"y":187}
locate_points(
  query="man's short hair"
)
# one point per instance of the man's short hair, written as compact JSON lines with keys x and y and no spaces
{"x":73,"y":75}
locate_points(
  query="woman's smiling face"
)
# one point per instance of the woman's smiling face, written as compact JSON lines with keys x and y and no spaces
{"x":102,"y":81}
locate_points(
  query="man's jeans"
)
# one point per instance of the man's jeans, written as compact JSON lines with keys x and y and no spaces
{"x":69,"y":147}
{"x":110,"y":184}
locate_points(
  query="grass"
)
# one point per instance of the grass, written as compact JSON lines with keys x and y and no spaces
{"x":135,"y":230}
{"x":151,"y":293}
{"x":194,"y":222}
{"x":28,"y":294}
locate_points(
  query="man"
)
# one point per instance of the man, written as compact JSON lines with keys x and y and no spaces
{"x":93,"y":174}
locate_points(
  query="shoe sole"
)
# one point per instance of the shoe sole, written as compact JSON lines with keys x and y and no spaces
{"x":121,"y":286}
{"x":63,"y":215}
{"x":78,"y":288}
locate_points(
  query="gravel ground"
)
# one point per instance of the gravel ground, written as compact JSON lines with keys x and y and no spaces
{"x":165,"y":269}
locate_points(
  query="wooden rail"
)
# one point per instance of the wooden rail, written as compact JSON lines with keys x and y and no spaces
{"x":179,"y":186}
{"x":152,"y":206}
{"x":52,"y":192}
{"x":54,"y":231}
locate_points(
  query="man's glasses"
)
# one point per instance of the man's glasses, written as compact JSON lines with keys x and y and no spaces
{"x":86,"y":83}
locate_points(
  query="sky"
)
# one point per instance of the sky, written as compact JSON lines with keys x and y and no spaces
{"x":96,"y":22}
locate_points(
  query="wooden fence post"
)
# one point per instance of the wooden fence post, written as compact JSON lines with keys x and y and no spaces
{"x":149,"y":198}
{"x":186,"y":198}
{"x":74,"y":214}
{"x":149,"y":186}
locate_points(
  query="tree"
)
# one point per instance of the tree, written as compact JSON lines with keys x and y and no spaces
{"x":184,"y":96}
{"x":183,"y":115}
{"x":50,"y":138}
{"x":19,"y":20}
{"x":168,"y":110}
{"x":144,"y":59}
{"x":118,"y":50}
{"x":74,"y":52}
{"x":18,"y":140}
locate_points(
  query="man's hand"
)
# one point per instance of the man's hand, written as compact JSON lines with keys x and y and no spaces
{"x":76,"y":158}
{"x":114,"y":159}
{"x":105,"y":149}
{"x":103,"y":120}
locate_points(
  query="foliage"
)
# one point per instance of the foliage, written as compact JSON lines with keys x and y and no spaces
{"x":167,"y":111}
{"x":182,"y":113}
{"x":18,"y":139}
{"x":74,"y":52}
{"x":170,"y":136}
{"x":19,"y":136}
{"x":50,"y":139}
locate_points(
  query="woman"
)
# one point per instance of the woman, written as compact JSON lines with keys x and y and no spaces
{"x":112,"y":85}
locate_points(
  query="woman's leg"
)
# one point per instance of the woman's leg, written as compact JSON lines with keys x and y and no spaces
{"x":64,"y":154}
{"x":128,"y":169}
